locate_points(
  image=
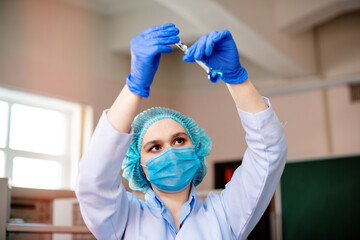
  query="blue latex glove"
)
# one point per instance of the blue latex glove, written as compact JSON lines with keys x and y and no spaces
{"x":218,"y":51}
{"x":146,"y":49}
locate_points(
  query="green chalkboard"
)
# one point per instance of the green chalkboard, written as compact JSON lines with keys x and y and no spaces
{"x":321,"y":199}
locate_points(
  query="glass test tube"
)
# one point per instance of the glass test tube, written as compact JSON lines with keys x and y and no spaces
{"x":213,"y":75}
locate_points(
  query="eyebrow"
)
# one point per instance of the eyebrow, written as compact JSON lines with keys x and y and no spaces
{"x":173,"y":136}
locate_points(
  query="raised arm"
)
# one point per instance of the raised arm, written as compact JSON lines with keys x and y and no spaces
{"x":146,"y":50}
{"x":123,"y":110}
{"x":104,"y":203}
{"x":247,"y":195}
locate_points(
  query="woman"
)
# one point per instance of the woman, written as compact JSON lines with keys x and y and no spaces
{"x":164,"y":154}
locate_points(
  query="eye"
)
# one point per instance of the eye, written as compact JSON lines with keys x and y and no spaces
{"x":154,"y":148}
{"x":179,"y":141}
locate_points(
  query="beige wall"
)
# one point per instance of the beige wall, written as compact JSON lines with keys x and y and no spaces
{"x":344,"y":123}
{"x":55,"y":49}
{"x":73,"y":62}
{"x":339,"y":46}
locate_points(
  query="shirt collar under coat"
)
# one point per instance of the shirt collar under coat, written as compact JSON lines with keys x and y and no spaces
{"x":155,"y":204}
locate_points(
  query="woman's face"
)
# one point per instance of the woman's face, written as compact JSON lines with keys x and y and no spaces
{"x":161,"y":135}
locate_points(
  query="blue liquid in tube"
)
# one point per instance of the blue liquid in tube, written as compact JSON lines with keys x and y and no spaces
{"x":213,"y":75}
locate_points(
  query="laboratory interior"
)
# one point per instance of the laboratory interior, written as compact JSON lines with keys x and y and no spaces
{"x":63,"y":62}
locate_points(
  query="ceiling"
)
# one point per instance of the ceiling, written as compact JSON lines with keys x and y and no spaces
{"x":275,"y":37}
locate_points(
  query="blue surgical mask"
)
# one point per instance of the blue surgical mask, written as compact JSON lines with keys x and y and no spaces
{"x":173,"y":170}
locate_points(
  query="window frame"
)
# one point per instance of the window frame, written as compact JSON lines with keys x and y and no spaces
{"x":75,"y":115}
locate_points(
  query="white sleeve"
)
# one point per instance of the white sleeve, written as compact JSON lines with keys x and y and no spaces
{"x":102,"y":197}
{"x":253,"y":184}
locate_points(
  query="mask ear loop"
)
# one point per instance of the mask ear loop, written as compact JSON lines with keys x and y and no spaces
{"x":143,"y":165}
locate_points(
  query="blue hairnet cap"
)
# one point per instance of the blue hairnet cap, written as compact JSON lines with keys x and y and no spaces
{"x":131,"y":165}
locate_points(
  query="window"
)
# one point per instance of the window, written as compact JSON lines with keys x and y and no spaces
{"x":4,"y":111}
{"x":41,"y":139}
{"x":2,"y":164}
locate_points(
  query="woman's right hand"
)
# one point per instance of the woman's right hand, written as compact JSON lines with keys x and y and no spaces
{"x":146,"y":49}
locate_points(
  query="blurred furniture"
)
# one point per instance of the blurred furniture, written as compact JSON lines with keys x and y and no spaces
{"x":7,"y":229}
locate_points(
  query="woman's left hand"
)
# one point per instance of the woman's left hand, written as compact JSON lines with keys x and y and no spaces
{"x":218,"y":51}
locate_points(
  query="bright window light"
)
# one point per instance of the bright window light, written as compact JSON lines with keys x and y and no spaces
{"x":43,"y":131}
{"x":41,"y":139}
{"x":2,"y":164}
{"x":36,"y":173}
{"x":4,"y":116}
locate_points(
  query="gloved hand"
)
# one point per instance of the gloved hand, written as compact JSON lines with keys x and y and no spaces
{"x":146,"y":49}
{"x":218,"y":51}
